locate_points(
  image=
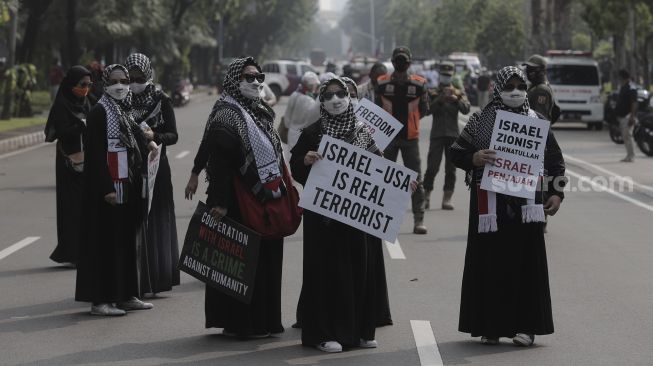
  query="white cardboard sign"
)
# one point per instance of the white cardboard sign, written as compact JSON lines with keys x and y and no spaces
{"x":381,"y":124}
{"x":358,"y":188}
{"x":153,"y":160}
{"x":519,"y":142}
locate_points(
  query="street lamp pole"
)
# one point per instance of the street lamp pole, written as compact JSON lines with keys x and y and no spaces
{"x":372,"y":30}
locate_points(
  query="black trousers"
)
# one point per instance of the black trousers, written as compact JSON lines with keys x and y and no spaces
{"x":410,"y":155}
{"x":438,"y":146}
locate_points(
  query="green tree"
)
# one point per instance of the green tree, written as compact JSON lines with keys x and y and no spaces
{"x":501,"y":38}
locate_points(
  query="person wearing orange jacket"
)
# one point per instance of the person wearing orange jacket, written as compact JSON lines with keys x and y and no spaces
{"x":404,"y":95}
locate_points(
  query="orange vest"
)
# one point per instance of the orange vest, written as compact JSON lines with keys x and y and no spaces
{"x":416,"y":88}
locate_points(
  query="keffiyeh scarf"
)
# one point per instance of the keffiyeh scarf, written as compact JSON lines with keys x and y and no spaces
{"x":120,"y":137}
{"x":146,"y":106}
{"x":258,"y":135}
{"x":478,"y":132}
{"x":344,"y":125}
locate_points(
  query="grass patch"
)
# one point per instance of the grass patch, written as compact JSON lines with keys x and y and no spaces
{"x":16,"y":123}
{"x":41,"y":101}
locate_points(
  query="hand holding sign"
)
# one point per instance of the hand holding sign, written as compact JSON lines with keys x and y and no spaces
{"x":482,"y":157}
{"x":311,"y":157}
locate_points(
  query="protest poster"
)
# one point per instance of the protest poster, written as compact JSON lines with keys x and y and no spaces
{"x":223,"y":254}
{"x":519,"y":142}
{"x":153,"y":160}
{"x":381,"y":124}
{"x":358,"y":188}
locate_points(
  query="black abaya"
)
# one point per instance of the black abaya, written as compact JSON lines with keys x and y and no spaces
{"x":505,"y":287}
{"x":263,"y":314}
{"x":162,"y":248}
{"x":340,"y":292}
{"x":66,"y":125}
{"x":107,"y":270}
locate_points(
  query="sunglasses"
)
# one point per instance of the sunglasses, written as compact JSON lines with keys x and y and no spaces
{"x":121,"y":81}
{"x":511,"y":87}
{"x":329,"y":94}
{"x":251,"y":77}
{"x":140,"y":80}
{"x":85,"y":85}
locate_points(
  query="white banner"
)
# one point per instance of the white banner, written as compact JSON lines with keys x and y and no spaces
{"x":519,"y":142}
{"x":153,"y":159}
{"x":358,"y":188}
{"x":381,"y":124}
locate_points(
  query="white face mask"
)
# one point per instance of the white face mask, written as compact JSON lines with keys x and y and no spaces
{"x":137,"y":88}
{"x":336,"y":106}
{"x":514,"y":99}
{"x":445,"y":79}
{"x":117,"y":91}
{"x":250,"y":90}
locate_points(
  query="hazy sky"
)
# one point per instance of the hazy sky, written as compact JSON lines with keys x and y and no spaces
{"x":332,"y":4}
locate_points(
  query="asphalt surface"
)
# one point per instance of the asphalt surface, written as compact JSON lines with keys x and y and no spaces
{"x":599,"y":249}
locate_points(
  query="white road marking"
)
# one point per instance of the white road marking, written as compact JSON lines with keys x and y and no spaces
{"x":182,"y":154}
{"x":605,"y":189}
{"x":18,"y":246}
{"x":394,"y":250}
{"x":24,"y":150}
{"x":427,"y":347}
{"x":606,"y":171}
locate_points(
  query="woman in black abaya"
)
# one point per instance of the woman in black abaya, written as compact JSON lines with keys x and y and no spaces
{"x":338,"y":304}
{"x":66,"y":124}
{"x":153,"y":111}
{"x":241,"y":139}
{"x":505,"y":289}
{"x":107,"y":272}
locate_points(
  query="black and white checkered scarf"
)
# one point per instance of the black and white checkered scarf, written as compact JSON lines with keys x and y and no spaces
{"x":342,"y":126}
{"x":256,"y":129}
{"x":478,"y":130}
{"x":146,"y":104}
{"x":119,"y":119}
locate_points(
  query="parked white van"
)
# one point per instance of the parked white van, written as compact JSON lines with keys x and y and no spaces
{"x":576,"y":84}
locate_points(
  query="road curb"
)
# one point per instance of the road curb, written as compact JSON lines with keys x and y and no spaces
{"x":21,"y":142}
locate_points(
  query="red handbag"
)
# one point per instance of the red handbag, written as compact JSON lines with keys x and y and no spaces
{"x":274,"y":219}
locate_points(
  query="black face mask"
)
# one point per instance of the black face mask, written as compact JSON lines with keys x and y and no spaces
{"x":401,"y":64}
{"x":535,"y":76}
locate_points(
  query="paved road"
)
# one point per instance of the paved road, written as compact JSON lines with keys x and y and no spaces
{"x":599,"y":249}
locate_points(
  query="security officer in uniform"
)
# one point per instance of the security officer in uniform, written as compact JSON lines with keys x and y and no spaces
{"x":405,"y":97}
{"x":446,"y":102}
{"x":540,"y":95}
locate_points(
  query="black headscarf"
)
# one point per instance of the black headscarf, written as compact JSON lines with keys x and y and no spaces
{"x":67,"y":106}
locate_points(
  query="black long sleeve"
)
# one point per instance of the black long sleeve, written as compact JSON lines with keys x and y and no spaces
{"x":307,"y":141}
{"x":554,"y":165}
{"x":95,"y":151}
{"x":223,"y":148}
{"x":167,"y":134}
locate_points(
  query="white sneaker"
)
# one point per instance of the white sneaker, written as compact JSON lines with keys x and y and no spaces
{"x":524,"y":340}
{"x":368,"y":344}
{"x":330,"y":347}
{"x":135,"y":304}
{"x":106,"y":310}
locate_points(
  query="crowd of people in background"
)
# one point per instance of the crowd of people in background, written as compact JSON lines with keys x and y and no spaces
{"x":109,"y":121}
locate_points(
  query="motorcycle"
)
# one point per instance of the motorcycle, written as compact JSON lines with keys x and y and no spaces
{"x":181,"y":93}
{"x":643,"y":130}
